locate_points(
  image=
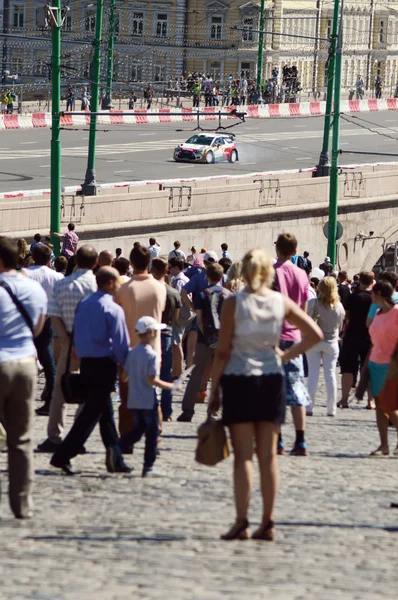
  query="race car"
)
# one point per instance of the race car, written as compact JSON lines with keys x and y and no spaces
{"x":207,"y":148}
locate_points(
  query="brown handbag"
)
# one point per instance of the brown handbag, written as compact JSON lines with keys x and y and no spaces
{"x":212,"y":445}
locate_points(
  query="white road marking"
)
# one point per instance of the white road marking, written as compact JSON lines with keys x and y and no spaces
{"x":293,"y":147}
{"x":128,"y":171}
{"x":147,"y":133}
{"x":305,"y":158}
{"x":344,"y":143}
{"x":114,"y":161}
{"x":185,"y":166}
{"x":26,"y":143}
{"x":245,"y":163}
{"x":43,"y":166}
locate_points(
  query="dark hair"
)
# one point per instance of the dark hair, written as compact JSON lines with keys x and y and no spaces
{"x":366,"y":278}
{"x":60,"y":264}
{"x":356,"y":277}
{"x":159,"y":266}
{"x":286,"y":244}
{"x":37,"y":237}
{"x":105,"y":256}
{"x":41,"y":254}
{"x":104,"y":275}
{"x":122,"y":265}
{"x":306,"y":253}
{"x":140,"y":257}
{"x":152,"y":241}
{"x":315,"y":281}
{"x":385,"y":289}
{"x":86,"y":257}
{"x":391,"y":277}
{"x":71,"y":265}
{"x":177,"y":244}
{"x":343,"y":275}
{"x":71,"y":226}
{"x":9,"y":253}
{"x":225,"y":263}
{"x":214,"y":272}
{"x":175,"y":261}
{"x":224,"y":247}
{"x":118,"y":252}
{"x":136,"y":244}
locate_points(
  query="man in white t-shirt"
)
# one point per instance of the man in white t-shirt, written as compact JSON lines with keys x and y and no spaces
{"x":43,"y":274}
{"x":177,"y":253}
{"x":154,"y":248}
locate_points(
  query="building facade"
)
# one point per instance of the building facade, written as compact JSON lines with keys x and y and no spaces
{"x":160,"y":39}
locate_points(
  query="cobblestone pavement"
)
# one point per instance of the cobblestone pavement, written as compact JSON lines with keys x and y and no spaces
{"x":121,"y":537}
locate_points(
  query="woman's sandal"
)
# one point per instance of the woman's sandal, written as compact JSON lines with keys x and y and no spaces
{"x":265,"y":532}
{"x":342,"y":404}
{"x":380,"y":452}
{"x":237,"y":532}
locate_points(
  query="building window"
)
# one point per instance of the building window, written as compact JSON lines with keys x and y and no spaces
{"x":216,"y":27}
{"x":158,"y":73}
{"x":246,"y":70}
{"x":136,"y":72}
{"x":68,"y":21}
{"x":329,"y":28}
{"x":40,"y":17}
{"x":138,"y":23}
{"x":161,"y":25}
{"x":381,"y":33}
{"x":248,"y":26}
{"x":18,"y":16}
{"x":89,"y":21}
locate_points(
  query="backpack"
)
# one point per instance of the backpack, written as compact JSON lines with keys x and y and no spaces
{"x":214,"y":297}
{"x":302,"y":262}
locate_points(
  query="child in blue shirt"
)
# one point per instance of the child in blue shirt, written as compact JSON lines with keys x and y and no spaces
{"x":142,"y":370}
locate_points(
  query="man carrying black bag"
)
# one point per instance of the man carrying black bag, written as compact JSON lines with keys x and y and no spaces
{"x":101,"y":341}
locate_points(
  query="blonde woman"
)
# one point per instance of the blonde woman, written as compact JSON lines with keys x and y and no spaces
{"x":235,"y":282}
{"x":329,"y":313}
{"x":248,"y":369}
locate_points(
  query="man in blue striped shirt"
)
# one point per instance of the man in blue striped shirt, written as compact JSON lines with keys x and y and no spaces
{"x":101,"y":342}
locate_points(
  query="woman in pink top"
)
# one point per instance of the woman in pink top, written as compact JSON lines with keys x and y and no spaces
{"x":384,"y":335}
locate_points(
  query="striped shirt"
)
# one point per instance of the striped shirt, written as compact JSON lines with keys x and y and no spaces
{"x":67,"y":294}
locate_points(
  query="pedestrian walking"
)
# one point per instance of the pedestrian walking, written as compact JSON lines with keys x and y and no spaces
{"x":154,"y":248}
{"x":169,"y":318}
{"x":47,"y":277}
{"x":142,"y":370}
{"x":186,"y":315}
{"x":292,"y":282}
{"x":101,"y":341}
{"x":177,"y":252}
{"x":66,"y":295}
{"x":248,"y":366}
{"x":23,"y":307}
{"x":384,"y":337}
{"x":328,"y":312}
{"x":141,"y":296}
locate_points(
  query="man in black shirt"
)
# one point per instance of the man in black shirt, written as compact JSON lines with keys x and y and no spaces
{"x":307,"y":262}
{"x":169,"y":317}
{"x":326,"y":266}
{"x":343,"y":288}
{"x":356,"y":342}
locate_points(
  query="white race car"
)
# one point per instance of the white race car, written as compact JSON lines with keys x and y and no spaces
{"x":207,"y":148}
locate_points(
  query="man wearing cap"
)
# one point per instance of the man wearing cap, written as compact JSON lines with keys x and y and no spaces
{"x":326,"y":266}
{"x":101,"y":342}
{"x":195,"y":286}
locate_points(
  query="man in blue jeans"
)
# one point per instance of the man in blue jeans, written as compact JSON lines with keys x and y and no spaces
{"x":169,"y":318}
{"x":101,"y":341}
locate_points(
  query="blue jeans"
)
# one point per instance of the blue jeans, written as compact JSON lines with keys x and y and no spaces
{"x":165,"y":375}
{"x":44,"y":347}
{"x":144,"y":421}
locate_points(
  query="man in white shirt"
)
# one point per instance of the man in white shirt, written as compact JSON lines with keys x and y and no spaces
{"x":177,"y":253}
{"x":154,"y":248}
{"x":64,"y":299}
{"x":47,"y":277}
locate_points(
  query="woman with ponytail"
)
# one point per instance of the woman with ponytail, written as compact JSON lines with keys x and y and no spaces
{"x":248,"y":370}
{"x":384,"y":336}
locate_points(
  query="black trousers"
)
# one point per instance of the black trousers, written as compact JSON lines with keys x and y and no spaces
{"x":99,"y":376}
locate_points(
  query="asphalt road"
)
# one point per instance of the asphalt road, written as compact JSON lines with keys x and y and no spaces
{"x":131,"y":153}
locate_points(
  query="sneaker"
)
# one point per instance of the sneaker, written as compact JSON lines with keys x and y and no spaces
{"x":281,"y":448}
{"x":184,"y":418}
{"x":299,"y":449}
{"x":152,"y":472}
{"x":47,"y":447}
{"x":43,"y":411}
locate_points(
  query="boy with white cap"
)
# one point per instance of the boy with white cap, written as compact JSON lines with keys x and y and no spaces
{"x":142,"y":369}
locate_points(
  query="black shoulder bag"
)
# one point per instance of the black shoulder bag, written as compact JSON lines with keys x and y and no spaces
{"x":73,"y":388}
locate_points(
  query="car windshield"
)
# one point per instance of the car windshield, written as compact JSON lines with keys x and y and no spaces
{"x":201,"y":140}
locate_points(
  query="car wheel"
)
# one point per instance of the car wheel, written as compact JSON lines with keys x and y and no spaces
{"x":210,"y":157}
{"x":234,"y":156}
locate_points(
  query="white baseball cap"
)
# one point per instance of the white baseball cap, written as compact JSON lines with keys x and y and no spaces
{"x":210,"y":256}
{"x":146,"y":324}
